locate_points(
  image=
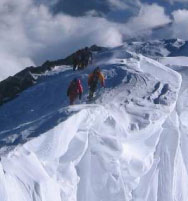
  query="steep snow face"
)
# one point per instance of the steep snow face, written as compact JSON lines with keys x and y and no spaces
{"x":174,"y":61}
{"x":123,"y":146}
{"x":152,"y":49}
{"x":160,"y":48}
{"x":177,"y":141}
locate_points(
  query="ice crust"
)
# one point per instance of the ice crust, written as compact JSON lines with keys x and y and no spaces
{"x":130,"y":144}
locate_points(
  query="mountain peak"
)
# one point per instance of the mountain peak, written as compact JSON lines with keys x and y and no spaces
{"x":110,"y":148}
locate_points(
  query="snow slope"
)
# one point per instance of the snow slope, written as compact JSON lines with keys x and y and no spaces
{"x":174,"y":61}
{"x":125,"y":146}
{"x":159,"y":48}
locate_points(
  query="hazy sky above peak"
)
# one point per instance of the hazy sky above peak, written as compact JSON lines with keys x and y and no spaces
{"x":32,"y":31}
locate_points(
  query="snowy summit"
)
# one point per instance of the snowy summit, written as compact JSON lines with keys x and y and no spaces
{"x":128,"y":144}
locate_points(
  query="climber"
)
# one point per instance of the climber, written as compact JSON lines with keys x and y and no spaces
{"x":87,"y":57}
{"x":93,"y":81}
{"x":74,"y":90}
{"x":81,"y":59}
{"x":76,"y":60}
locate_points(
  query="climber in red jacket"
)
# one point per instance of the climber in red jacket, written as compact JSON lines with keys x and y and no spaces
{"x":74,"y":90}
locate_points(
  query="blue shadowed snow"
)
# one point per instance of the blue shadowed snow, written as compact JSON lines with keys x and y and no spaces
{"x":122,"y":146}
{"x":39,"y":108}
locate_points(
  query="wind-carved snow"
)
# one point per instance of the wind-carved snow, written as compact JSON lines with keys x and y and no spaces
{"x":174,"y":61}
{"x":123,"y":147}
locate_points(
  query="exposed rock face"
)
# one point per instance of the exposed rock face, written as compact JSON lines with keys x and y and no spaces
{"x":13,"y":85}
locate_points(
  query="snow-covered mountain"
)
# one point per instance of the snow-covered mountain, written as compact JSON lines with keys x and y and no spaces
{"x":130,"y":144}
{"x":159,"y":48}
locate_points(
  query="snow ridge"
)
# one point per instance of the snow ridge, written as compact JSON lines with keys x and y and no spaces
{"x":124,"y":146}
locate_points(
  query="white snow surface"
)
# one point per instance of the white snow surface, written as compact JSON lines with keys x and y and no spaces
{"x":174,"y":61}
{"x":130,"y":144}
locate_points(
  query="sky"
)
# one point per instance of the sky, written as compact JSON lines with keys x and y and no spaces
{"x":33,"y":31}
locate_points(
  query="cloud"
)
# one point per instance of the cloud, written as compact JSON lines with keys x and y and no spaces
{"x":12,"y":38}
{"x":180,"y":24}
{"x":80,"y":7}
{"x":123,"y":4}
{"x":47,"y":2}
{"x":117,"y":4}
{"x":149,"y":17}
{"x":30,"y":34}
{"x":11,"y":64}
{"x":180,"y":1}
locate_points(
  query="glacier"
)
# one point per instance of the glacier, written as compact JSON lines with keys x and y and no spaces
{"x":130,"y":144}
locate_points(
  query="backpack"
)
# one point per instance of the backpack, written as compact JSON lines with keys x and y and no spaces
{"x":95,"y":78}
{"x":73,"y":88}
